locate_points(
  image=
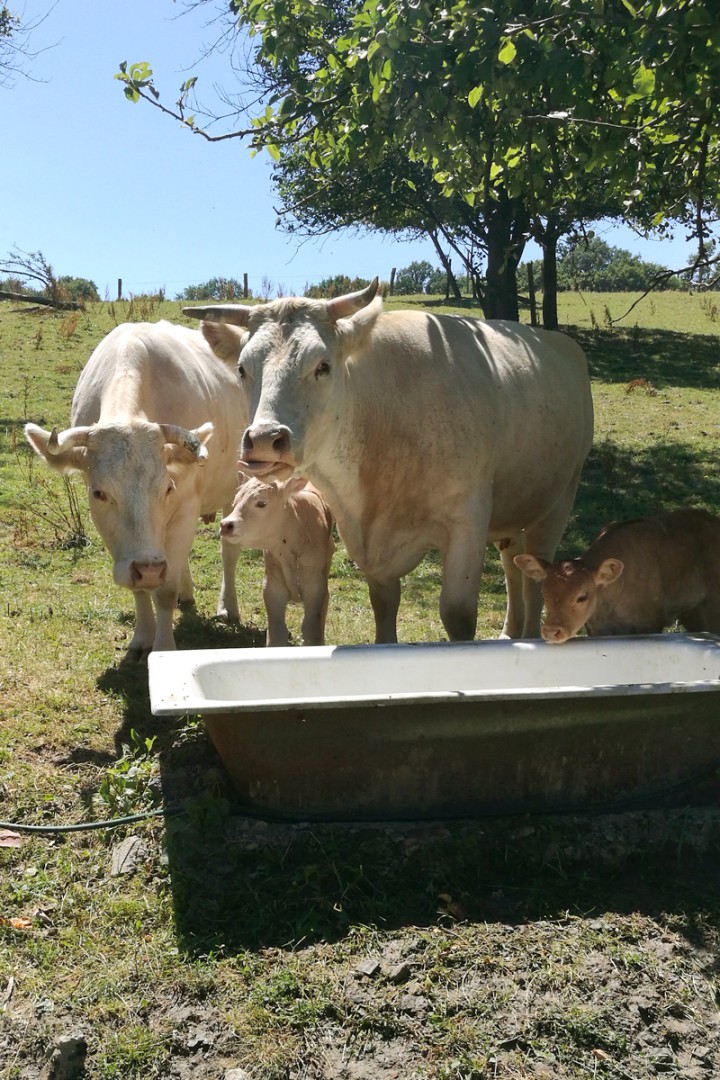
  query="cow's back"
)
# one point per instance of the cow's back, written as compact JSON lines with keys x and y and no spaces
{"x":442,"y":409}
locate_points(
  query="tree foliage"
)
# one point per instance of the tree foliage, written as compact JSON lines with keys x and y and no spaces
{"x":413,"y":278}
{"x":518,"y":120}
{"x":592,"y":265}
{"x":15,"y":36}
{"x":217,"y":288}
{"x":339,"y":285}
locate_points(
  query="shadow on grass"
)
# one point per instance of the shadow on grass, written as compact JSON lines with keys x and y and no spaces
{"x":664,"y":357}
{"x":620,"y":483}
{"x":239,"y":885}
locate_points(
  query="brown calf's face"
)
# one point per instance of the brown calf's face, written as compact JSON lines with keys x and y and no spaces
{"x":570,"y":590}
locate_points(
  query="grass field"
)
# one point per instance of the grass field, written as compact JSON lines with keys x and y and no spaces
{"x":553,"y":947}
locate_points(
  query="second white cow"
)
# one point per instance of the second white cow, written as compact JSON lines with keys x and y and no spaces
{"x":156,"y":422}
{"x":422,"y":431}
{"x":292,"y":525}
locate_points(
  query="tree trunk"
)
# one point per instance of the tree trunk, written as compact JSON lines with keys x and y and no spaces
{"x":445,"y":260}
{"x":62,"y":305}
{"x":506,"y":228}
{"x":549,"y":279}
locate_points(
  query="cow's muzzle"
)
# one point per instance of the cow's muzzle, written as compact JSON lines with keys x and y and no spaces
{"x":148,"y":574}
{"x":264,"y":447}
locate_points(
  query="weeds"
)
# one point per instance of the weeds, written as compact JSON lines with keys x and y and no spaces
{"x":131,"y":786}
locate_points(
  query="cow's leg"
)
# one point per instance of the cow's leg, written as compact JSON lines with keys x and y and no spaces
{"x":186,"y":592}
{"x":385,"y":600}
{"x":276,"y":597}
{"x":228,"y":607}
{"x":315,"y":604}
{"x":520,"y":598}
{"x":144,"y":635}
{"x":178,"y":545}
{"x":165,"y":599}
{"x":462,"y":567}
{"x":542,"y":540}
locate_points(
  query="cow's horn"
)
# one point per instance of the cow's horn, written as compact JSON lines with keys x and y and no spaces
{"x":58,"y":444}
{"x":342,"y":306}
{"x":237,"y":314}
{"x":181,"y":436}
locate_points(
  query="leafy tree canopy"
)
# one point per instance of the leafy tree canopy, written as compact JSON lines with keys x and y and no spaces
{"x":512,"y":111}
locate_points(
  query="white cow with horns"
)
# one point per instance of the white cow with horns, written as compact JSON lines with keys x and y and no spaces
{"x":422,"y":431}
{"x":156,"y":423}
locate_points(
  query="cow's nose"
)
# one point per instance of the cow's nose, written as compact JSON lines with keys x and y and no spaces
{"x":266,"y":439}
{"x":227,"y":525}
{"x":148,"y":573}
{"x":555,"y":635}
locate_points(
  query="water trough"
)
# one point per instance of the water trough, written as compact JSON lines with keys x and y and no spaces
{"x":361,"y":732}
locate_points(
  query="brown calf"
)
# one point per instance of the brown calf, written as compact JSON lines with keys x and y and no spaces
{"x":637,"y":577}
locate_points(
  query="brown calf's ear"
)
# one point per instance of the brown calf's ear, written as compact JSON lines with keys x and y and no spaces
{"x":608,"y":571}
{"x":294,"y":484}
{"x":534,"y":568}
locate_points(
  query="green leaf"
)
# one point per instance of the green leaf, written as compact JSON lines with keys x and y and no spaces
{"x":474,"y":96}
{"x":644,"y":81}
{"x":508,"y":52}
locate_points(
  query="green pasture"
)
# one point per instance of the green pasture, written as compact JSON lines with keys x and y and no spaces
{"x":260,"y":934}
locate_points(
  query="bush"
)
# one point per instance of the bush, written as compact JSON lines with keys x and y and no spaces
{"x":414,"y":278}
{"x":77,"y":288}
{"x":339,"y":285}
{"x":217,"y":288}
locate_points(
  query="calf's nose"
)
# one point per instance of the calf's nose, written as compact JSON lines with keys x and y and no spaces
{"x":555,"y":635}
{"x":227,"y":527}
{"x":147,"y":573}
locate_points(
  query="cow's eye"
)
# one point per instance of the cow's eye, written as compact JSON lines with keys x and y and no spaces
{"x":261,"y":504}
{"x":99,"y":494}
{"x":582,"y":598}
{"x":241,"y":371}
{"x":322,"y":369}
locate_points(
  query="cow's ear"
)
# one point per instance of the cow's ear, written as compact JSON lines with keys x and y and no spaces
{"x":243,"y":477}
{"x":294,"y":484}
{"x":533,"y":567}
{"x":65,"y":452}
{"x":608,"y":571}
{"x":225,"y":341}
{"x":351,"y":333}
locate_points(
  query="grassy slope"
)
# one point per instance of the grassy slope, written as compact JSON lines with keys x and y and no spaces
{"x":210,"y":921}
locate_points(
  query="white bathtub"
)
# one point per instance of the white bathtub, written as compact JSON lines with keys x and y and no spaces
{"x":449,"y":729}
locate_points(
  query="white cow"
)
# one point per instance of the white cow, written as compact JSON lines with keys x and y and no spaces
{"x":291,"y":524}
{"x":156,"y":423}
{"x":422,"y":431}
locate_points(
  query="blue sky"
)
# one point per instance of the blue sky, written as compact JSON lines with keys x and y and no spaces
{"x":107,"y":189}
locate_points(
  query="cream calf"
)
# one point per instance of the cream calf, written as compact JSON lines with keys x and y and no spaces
{"x":290,"y":522}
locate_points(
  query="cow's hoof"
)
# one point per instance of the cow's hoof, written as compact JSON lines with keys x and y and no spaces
{"x":223,"y":615}
{"x":138,"y":654}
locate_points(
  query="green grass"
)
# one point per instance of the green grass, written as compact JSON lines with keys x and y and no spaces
{"x":526,"y":942}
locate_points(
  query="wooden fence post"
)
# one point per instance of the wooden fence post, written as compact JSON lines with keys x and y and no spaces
{"x":531,"y":291}
{"x":392,"y":280}
{"x":119,"y":288}
{"x":245,"y":287}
